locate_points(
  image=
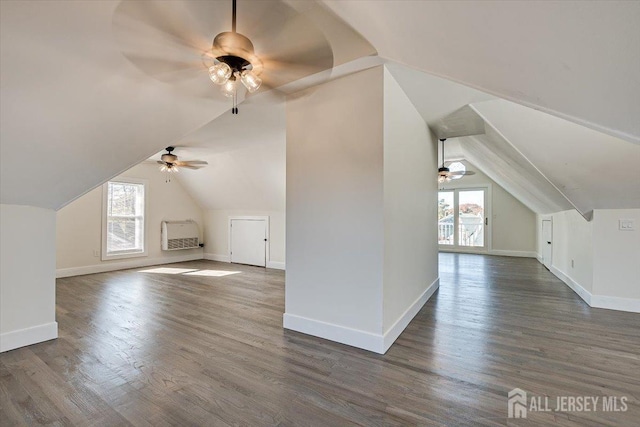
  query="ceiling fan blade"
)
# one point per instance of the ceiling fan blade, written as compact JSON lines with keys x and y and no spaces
{"x":166,"y":39}
{"x":169,"y":40}
{"x":191,"y":163}
{"x":190,"y":166}
{"x":461,"y":173}
{"x":161,"y":162}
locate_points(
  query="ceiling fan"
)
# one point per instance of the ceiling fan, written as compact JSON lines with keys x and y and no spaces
{"x":445,"y":174}
{"x":171,"y":164}
{"x":171,"y":41}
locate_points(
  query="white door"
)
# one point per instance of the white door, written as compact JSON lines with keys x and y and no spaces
{"x":546,"y":243}
{"x":248,"y":241}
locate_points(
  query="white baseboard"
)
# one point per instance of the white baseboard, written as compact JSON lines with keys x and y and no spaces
{"x":216,"y":257}
{"x":497,"y":252}
{"x":575,"y":286}
{"x":616,"y":303}
{"x":599,"y":301}
{"x":342,"y":334}
{"x":523,"y":254}
{"x":123,"y":265}
{"x":275,"y":265}
{"x":378,"y":343}
{"x":400,"y":325}
{"x":23,"y":337}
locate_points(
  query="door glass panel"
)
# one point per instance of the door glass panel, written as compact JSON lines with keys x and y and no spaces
{"x":445,"y":218}
{"x":471,"y":218}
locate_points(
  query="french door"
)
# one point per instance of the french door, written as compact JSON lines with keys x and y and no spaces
{"x":462,"y":219}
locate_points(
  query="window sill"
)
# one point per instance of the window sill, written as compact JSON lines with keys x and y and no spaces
{"x":124,"y":256}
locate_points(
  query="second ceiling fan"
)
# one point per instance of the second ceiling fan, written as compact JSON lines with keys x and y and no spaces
{"x":445,"y":174}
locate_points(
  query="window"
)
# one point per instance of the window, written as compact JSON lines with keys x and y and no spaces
{"x":123,"y":222}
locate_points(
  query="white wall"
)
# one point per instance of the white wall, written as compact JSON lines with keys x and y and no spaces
{"x":79,"y":225}
{"x":597,"y":260}
{"x":572,"y":240}
{"x":616,"y":254}
{"x":361,"y":212}
{"x":27,"y":276}
{"x":216,"y":224}
{"x":410,"y":210}
{"x":334,"y":201}
{"x":513,"y":225}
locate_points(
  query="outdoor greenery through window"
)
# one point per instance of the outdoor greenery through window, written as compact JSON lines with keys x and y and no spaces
{"x":125,"y":218}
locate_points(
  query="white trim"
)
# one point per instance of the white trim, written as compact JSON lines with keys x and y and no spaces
{"x":616,"y":303}
{"x":123,"y":265}
{"x":277,"y":265}
{"x":403,"y":321}
{"x":462,"y":250}
{"x":28,"y":336}
{"x":575,"y":286}
{"x":599,"y":301}
{"x":495,"y":252}
{"x":378,"y":343}
{"x":216,"y":257}
{"x":488,"y":212}
{"x":342,"y":334}
{"x":105,"y":194}
{"x":267,"y":234}
{"x":523,"y":254}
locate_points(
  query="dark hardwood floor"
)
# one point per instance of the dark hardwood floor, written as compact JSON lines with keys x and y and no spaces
{"x":151,"y":349}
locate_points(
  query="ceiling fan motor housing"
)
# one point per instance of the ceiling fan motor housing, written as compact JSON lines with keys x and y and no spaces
{"x":169,"y":158}
{"x":237,"y":51}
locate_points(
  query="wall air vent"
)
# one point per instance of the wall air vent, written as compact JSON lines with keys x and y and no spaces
{"x":177,"y":235}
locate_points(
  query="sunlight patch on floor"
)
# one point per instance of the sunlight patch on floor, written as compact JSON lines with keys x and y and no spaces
{"x":212,"y":273}
{"x":168,"y":270}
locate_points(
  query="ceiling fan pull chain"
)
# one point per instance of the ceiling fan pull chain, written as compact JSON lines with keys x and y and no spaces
{"x":234,"y":108}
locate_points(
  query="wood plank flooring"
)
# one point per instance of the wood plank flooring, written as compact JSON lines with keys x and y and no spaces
{"x":157,"y":349}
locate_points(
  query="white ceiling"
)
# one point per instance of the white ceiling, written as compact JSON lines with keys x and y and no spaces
{"x":246,"y":155}
{"x":75,"y":111}
{"x":577,"y":60}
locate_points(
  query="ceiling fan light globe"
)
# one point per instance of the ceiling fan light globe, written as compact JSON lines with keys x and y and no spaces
{"x":220,"y":73}
{"x":250,"y":81}
{"x":229,"y":88}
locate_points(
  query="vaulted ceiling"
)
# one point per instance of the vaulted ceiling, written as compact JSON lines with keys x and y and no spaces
{"x":77,"y":108}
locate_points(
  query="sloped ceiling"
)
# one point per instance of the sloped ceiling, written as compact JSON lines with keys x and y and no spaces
{"x":75,"y":111}
{"x":591,"y":169}
{"x":576,"y":60}
{"x":246,"y":155}
{"x":550,"y":164}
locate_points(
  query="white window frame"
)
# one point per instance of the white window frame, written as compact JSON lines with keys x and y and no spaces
{"x":488,"y":202}
{"x":145,"y":229}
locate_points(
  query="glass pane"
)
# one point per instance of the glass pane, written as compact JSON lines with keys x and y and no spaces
{"x":445,"y":217}
{"x":471,"y":218}
{"x":125,"y":199}
{"x":125,"y":218}
{"x":124,"y":235}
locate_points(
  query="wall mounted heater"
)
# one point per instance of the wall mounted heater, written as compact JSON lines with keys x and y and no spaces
{"x":178,"y":235}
